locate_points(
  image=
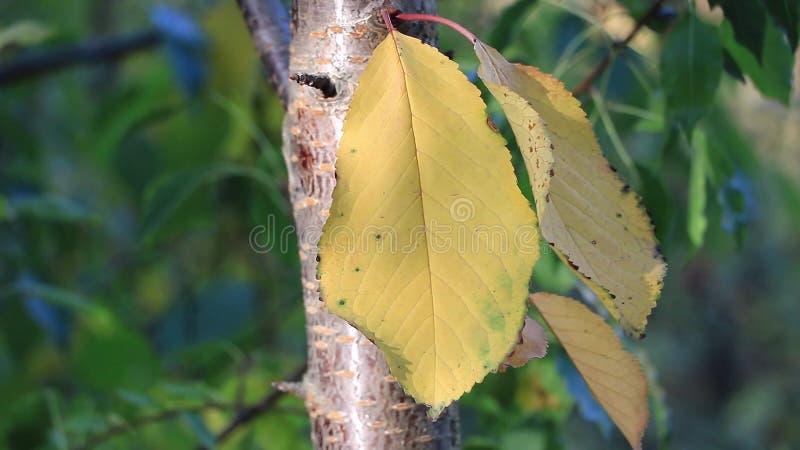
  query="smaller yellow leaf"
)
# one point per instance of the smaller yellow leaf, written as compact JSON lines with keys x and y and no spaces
{"x":590,"y":217}
{"x":613,"y":375}
{"x":532,"y":343}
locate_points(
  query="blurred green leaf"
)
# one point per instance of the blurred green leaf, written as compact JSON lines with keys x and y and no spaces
{"x":479,"y":443}
{"x":166,"y":195}
{"x":749,"y":20}
{"x":55,"y":295}
{"x":691,"y":66}
{"x":506,"y":25}
{"x":696,"y":221}
{"x":524,"y":439}
{"x":773,"y":77}
{"x":57,"y":433}
{"x":635,"y":7}
{"x":110,"y":356}
{"x":661,"y":413}
{"x":786,"y":14}
{"x":200,"y":429}
{"x":23,"y":34}
{"x":550,"y":274}
{"x":135,"y":398}
{"x":658,"y":202}
{"x":542,"y":391}
{"x":24,"y":422}
{"x":52,"y":207}
{"x":170,"y":393}
{"x":6,"y":211}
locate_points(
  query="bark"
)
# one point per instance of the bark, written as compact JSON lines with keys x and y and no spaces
{"x":352,"y":400}
{"x":269,"y":25}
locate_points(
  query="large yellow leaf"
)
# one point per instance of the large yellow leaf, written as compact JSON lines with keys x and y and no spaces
{"x":612,"y":374}
{"x":589,"y":215}
{"x":430,"y":245}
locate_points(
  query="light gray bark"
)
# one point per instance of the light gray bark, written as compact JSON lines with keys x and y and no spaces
{"x":352,"y":400}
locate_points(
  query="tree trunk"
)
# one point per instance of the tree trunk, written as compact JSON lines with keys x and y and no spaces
{"x":352,"y":399}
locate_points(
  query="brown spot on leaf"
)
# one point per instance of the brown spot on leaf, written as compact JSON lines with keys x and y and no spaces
{"x":492,"y":125}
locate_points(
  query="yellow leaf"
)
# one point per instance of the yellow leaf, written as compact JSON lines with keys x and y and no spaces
{"x":586,"y":213}
{"x":613,"y":375}
{"x":532,"y":343}
{"x":430,"y":244}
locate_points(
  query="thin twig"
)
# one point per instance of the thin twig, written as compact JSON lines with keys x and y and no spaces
{"x":603,"y":64}
{"x":243,"y":416}
{"x":144,"y":420}
{"x":268,"y":23}
{"x":101,"y":50}
{"x":250,"y":413}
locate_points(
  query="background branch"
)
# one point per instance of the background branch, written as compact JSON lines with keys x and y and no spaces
{"x":100,"y":50}
{"x":268,"y":23}
{"x":243,"y":416}
{"x":603,"y":64}
{"x":144,"y":420}
{"x":250,"y":413}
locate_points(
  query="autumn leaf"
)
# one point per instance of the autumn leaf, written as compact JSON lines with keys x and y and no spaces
{"x":613,"y":375}
{"x":430,"y":245}
{"x":532,"y":343}
{"x":586,"y":212}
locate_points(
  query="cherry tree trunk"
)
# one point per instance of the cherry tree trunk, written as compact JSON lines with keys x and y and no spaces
{"x":352,"y":399}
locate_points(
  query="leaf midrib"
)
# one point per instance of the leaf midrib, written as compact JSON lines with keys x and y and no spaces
{"x":422,"y":208}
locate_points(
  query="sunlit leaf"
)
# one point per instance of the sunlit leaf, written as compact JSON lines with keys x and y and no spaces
{"x":430,"y":245}
{"x":587,"y":214}
{"x":612,"y":374}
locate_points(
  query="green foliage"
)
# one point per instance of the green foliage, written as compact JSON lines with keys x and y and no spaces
{"x":749,"y":20}
{"x":773,"y":76}
{"x":691,"y":68}
{"x":696,"y":220}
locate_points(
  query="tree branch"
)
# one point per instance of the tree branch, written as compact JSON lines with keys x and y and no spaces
{"x":144,"y":420}
{"x":603,"y":64}
{"x":100,"y":50}
{"x":268,"y":23}
{"x":250,"y":413}
{"x":244,"y":416}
